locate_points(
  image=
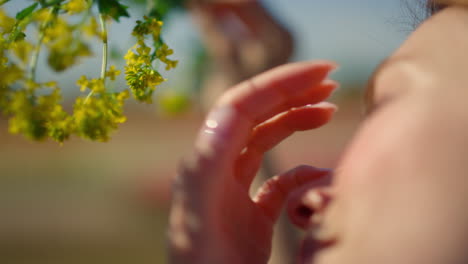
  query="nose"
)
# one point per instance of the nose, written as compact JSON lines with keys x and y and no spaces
{"x":306,"y":205}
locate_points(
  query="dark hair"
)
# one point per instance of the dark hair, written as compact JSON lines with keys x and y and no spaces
{"x":420,"y":10}
{"x":433,"y":6}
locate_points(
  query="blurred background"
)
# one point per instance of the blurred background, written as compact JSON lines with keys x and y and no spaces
{"x":88,"y":202}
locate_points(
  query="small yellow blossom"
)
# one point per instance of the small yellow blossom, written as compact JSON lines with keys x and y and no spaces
{"x":83,"y":83}
{"x":97,"y":86}
{"x":162,"y":54}
{"x":41,"y":16}
{"x":51,"y":84}
{"x":92,"y":29}
{"x":130,"y":57}
{"x":59,"y":28}
{"x":22,"y":49}
{"x":6,"y":22}
{"x":75,"y":6}
{"x":112,"y":73}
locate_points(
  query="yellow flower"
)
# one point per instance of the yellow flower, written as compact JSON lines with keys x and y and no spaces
{"x":76,"y":6}
{"x":41,"y":15}
{"x":170,"y":64}
{"x":58,"y":30}
{"x":10,"y":75}
{"x":22,"y":49}
{"x":83,"y":83}
{"x":155,"y":27}
{"x":123,"y":96}
{"x":51,"y":84}
{"x":92,"y":28}
{"x":162,"y":54}
{"x":164,"y":51}
{"x":130,"y":57}
{"x":6,"y":22}
{"x":97,"y":86}
{"x":143,"y":50}
{"x":32,"y":85}
{"x":112,"y":73}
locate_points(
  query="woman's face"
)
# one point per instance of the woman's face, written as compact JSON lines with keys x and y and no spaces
{"x":401,"y":188}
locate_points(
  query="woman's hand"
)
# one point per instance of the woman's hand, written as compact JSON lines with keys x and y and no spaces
{"x":213,"y":219}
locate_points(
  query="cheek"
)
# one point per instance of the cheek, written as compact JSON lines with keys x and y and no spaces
{"x":379,"y":148}
{"x":410,"y":141}
{"x":402,"y":179}
{"x":371,"y":159}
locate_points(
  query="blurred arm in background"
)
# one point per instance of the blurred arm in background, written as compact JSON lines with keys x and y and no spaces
{"x":241,"y":38}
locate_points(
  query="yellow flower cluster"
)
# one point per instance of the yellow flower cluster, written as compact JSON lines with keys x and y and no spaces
{"x":141,"y":76}
{"x":33,"y":115}
{"x":34,"y":108}
{"x":66,"y":46}
{"x":97,"y":116}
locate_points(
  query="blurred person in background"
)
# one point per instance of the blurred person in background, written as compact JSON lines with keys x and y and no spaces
{"x":399,"y":193}
{"x":242,"y":39}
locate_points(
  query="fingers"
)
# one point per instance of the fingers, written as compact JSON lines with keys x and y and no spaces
{"x":306,"y":204}
{"x":274,"y":192}
{"x":229,"y":125}
{"x":268,"y":94}
{"x":311,"y":96}
{"x":272,"y":132}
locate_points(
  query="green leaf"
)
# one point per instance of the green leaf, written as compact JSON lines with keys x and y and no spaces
{"x":26,"y":12}
{"x":162,"y":8}
{"x":113,"y":9}
{"x":4,"y":2}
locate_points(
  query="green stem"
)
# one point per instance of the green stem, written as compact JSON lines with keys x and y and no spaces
{"x":105,"y":55}
{"x":105,"y":47}
{"x":35,"y":57}
{"x":37,"y":48}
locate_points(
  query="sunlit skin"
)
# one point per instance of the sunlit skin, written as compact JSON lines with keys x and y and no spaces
{"x":399,"y":193}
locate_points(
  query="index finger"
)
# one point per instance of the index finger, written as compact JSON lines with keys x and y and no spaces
{"x":229,"y":125}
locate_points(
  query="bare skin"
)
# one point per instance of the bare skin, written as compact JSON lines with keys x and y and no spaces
{"x":399,"y":194}
{"x":213,"y":184}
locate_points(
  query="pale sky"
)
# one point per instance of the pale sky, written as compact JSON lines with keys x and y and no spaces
{"x":355,"y":33}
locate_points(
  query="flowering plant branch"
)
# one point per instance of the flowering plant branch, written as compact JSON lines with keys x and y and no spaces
{"x":34,"y":108}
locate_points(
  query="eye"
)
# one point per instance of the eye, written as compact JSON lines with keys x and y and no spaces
{"x":372,"y":103}
{"x":377,"y":106}
{"x":369,"y":105}
{"x":369,"y":93}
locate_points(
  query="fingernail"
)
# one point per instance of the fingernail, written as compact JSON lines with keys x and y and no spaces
{"x":335,"y":86}
{"x":335,"y":68}
{"x":315,"y":200}
{"x":327,"y":105}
